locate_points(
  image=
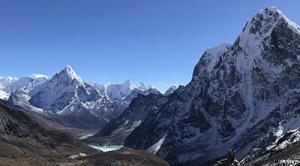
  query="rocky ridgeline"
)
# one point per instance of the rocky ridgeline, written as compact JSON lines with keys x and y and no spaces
{"x":243,"y":96}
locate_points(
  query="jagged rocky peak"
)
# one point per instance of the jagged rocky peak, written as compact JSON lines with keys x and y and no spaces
{"x":209,"y":59}
{"x":142,"y":86}
{"x":238,"y":97}
{"x":128,"y":84}
{"x":269,"y":38}
{"x":60,"y":90}
{"x":262,"y":25}
{"x":69,"y":74}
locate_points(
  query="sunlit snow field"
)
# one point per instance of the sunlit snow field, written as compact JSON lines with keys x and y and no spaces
{"x":107,"y":148}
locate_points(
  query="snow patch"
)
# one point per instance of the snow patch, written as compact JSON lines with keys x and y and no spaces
{"x":39,"y":76}
{"x":154,"y":148}
{"x":3,"y":95}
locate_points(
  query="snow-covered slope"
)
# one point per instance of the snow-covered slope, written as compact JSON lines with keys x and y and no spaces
{"x":135,"y":92}
{"x":63,"y":88}
{"x":284,"y":151}
{"x":26,"y":83}
{"x":243,"y":96}
{"x":100,"y":88}
{"x":76,"y":103}
{"x":122,"y":91}
{"x":11,"y":84}
{"x":6,"y":81}
{"x":119,"y":128}
{"x":72,"y":101}
{"x":3,"y":95}
{"x":171,"y":90}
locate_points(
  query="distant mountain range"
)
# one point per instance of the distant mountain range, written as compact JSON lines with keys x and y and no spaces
{"x":70,"y":101}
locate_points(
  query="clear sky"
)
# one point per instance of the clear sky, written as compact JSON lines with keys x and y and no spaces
{"x":154,"y":41}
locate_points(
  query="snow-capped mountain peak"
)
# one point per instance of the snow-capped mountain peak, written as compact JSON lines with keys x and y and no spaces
{"x":241,"y":97}
{"x":71,"y":73}
{"x":262,"y":25}
{"x":142,"y":86}
{"x":60,"y":90}
{"x":122,"y":91}
{"x":67,"y":74}
{"x":128,"y":84}
{"x":276,"y":12}
{"x":11,"y":84}
{"x":6,"y":81}
{"x":171,"y":90}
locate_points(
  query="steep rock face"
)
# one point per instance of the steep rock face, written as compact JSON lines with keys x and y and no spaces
{"x":238,"y":95}
{"x":284,"y":151}
{"x":119,"y":128}
{"x":61,"y":89}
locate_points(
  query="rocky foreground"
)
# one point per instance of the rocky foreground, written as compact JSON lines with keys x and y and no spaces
{"x":27,"y":140}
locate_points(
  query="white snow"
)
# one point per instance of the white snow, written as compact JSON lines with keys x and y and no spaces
{"x":279,"y":132}
{"x":107,"y":148}
{"x":214,"y":54}
{"x":171,"y":90}
{"x":11,"y":84}
{"x":155,"y":147}
{"x":252,"y":42}
{"x":3,"y":95}
{"x":71,"y":73}
{"x":292,"y":25}
{"x":256,"y":95}
{"x":6,"y":81}
{"x":121,"y":91}
{"x":78,"y":155}
{"x":39,"y":76}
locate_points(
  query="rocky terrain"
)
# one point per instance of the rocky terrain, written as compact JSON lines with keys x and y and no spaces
{"x":25,"y":139}
{"x":284,"y":151}
{"x":243,"y":96}
{"x":117,"y":130}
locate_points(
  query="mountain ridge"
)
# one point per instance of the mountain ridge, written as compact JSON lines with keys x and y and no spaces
{"x":69,"y":100}
{"x":237,"y":95}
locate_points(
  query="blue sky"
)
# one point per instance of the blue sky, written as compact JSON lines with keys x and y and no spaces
{"x":154,"y":41}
